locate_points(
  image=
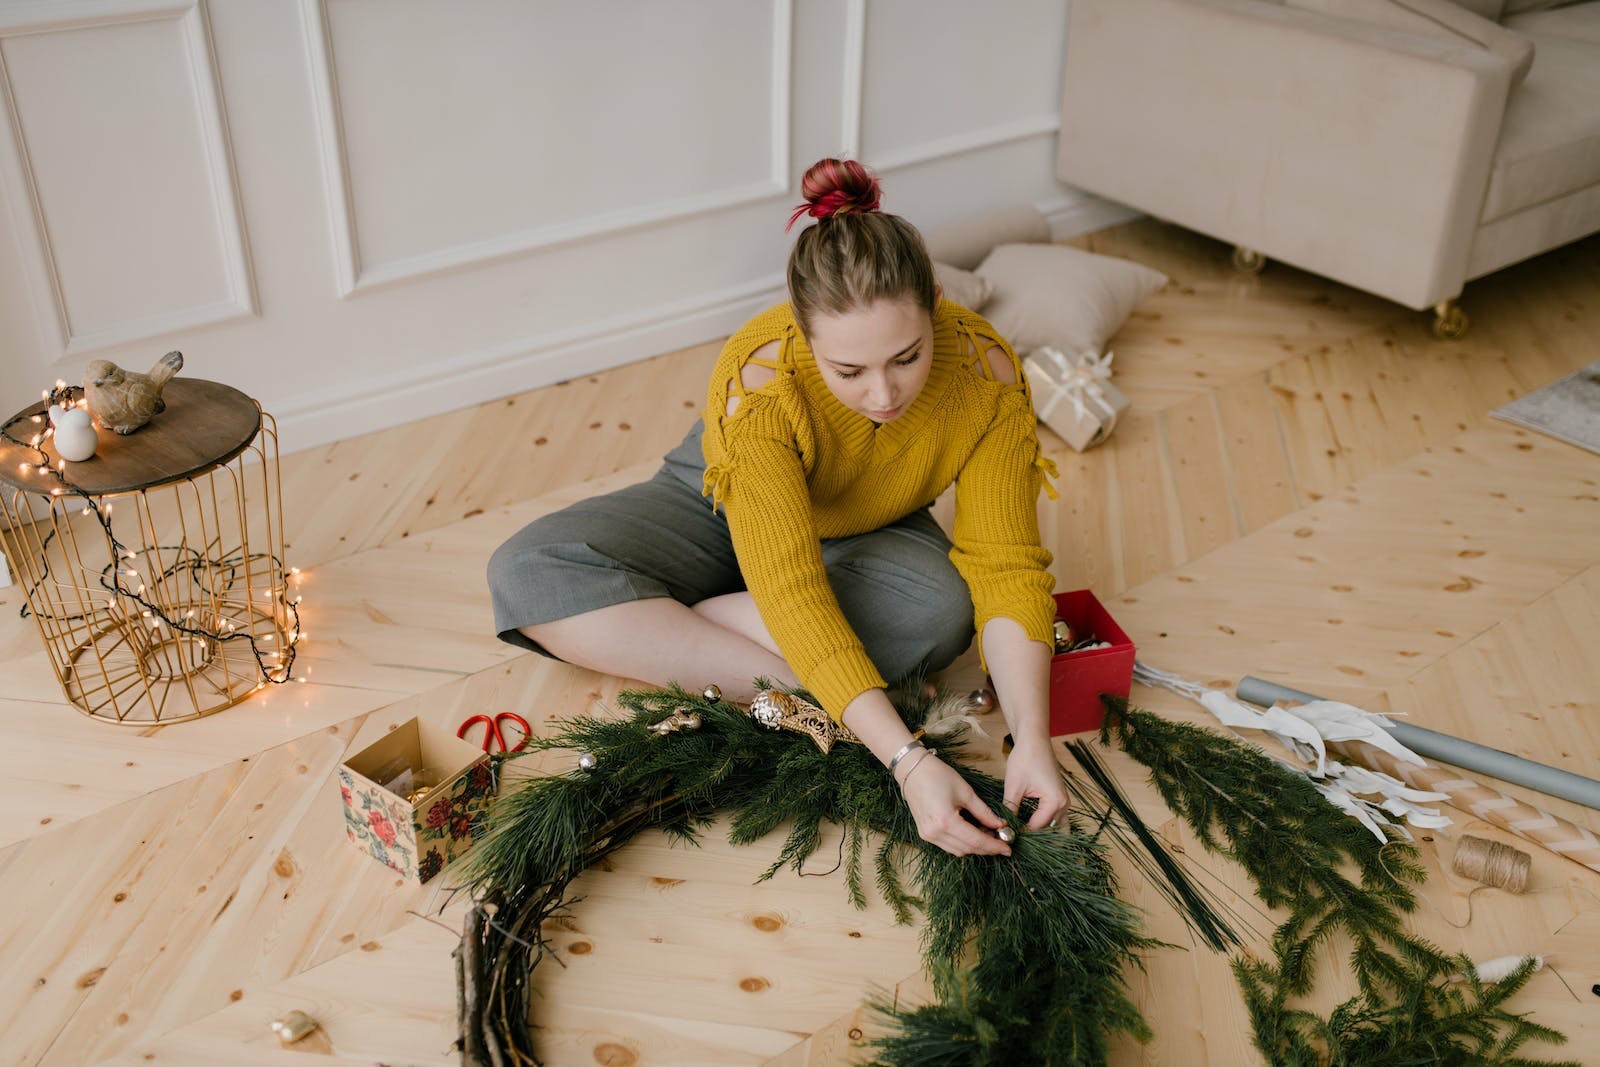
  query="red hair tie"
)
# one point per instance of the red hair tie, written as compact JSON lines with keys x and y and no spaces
{"x":836,"y":200}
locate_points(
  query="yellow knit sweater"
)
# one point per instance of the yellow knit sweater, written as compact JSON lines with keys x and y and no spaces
{"x":793,"y":464}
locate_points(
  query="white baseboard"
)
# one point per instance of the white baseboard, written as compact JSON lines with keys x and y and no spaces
{"x":527,"y":363}
{"x":1080,"y":213}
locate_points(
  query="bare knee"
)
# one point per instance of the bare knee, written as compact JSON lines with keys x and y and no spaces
{"x":738,"y":612}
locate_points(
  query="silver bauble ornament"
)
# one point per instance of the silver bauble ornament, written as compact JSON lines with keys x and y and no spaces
{"x":587,"y":761}
{"x":1006,"y":834}
{"x":767,"y":708}
{"x":712,"y":694}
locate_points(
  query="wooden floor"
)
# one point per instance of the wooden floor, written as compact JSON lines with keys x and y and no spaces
{"x":1309,"y":488}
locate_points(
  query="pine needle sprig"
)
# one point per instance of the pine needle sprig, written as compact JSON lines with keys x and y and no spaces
{"x":1296,"y":847}
{"x":1274,"y":823}
{"x":1197,"y":905}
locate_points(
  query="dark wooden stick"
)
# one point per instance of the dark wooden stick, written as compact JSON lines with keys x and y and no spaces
{"x":470,"y":1001}
{"x":461,"y":1009}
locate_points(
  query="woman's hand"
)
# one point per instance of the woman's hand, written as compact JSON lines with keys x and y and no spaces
{"x":937,"y":795}
{"x":933,"y":790}
{"x":1032,"y":771}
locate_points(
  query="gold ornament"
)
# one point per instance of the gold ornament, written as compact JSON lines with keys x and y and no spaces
{"x":777,"y":710}
{"x":712,"y":694}
{"x":680,"y":719}
{"x":293,"y":1027}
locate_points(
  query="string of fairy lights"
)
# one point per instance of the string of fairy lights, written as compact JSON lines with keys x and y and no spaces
{"x":275,"y":664}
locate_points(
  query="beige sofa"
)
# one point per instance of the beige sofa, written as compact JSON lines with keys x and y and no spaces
{"x":1403,"y":147}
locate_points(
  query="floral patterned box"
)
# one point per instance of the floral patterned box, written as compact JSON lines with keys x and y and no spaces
{"x":388,"y":812}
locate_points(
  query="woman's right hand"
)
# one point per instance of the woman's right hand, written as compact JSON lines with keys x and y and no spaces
{"x":937,"y":795}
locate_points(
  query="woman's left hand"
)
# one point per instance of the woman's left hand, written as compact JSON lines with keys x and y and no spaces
{"x":1032,"y":771}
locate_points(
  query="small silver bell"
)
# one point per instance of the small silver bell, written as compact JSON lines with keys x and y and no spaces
{"x":712,"y":694}
{"x":587,"y":761}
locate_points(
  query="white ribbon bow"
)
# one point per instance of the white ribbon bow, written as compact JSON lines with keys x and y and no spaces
{"x":1077,"y":379}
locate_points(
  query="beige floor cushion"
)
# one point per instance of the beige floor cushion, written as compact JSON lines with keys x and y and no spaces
{"x":970,"y":290}
{"x":1066,"y":298}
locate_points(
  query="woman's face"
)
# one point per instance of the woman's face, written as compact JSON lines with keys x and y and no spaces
{"x":876,"y":358}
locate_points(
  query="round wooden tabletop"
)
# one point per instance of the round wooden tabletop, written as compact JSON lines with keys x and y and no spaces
{"x":205,"y":424}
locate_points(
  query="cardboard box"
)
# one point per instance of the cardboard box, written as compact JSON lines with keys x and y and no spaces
{"x":1073,"y":395}
{"x":1078,"y":678}
{"x":415,"y":837}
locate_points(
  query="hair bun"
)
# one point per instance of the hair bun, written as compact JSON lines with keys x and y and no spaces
{"x":836,"y":187}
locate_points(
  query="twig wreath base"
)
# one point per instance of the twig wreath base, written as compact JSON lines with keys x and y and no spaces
{"x":1029,"y":954}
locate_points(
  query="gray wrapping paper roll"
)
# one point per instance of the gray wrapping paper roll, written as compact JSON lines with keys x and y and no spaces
{"x":1453,"y":750}
{"x":967,"y":244}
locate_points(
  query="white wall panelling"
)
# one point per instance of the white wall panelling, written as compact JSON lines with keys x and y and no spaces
{"x":452,"y":202}
{"x":119,"y":174}
{"x":942,"y":77}
{"x":443,"y":196}
{"x":855,"y":73}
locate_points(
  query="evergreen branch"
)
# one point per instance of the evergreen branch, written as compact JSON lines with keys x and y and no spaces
{"x":1048,"y":939}
{"x":1295,"y":846}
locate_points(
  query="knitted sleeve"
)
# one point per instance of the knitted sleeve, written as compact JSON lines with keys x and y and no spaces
{"x":762,"y":484}
{"x":996,"y":534}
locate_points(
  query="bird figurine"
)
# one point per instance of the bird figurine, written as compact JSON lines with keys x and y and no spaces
{"x":124,"y":400}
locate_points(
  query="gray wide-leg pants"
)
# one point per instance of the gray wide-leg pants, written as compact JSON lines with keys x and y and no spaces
{"x":896,"y":585}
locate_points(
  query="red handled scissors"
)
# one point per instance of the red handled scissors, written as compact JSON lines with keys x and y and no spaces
{"x":492,"y":734}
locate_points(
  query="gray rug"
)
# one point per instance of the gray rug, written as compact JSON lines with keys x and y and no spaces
{"x":1568,"y":409}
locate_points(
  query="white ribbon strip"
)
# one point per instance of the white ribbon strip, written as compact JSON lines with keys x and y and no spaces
{"x":1306,"y":730}
{"x":1077,"y":379}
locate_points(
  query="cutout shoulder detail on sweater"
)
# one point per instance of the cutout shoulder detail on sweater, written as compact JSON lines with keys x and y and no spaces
{"x":1001,"y":369}
{"x":759,"y":368}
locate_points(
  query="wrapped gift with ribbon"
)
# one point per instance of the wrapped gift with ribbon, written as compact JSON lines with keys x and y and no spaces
{"x":1073,"y":395}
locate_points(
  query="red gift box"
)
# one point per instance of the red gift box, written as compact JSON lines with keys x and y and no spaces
{"x":1078,"y":678}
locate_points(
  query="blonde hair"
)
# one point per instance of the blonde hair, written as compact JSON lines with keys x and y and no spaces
{"x":855,"y":255}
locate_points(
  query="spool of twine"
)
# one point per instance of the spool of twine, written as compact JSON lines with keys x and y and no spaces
{"x":1492,"y":863}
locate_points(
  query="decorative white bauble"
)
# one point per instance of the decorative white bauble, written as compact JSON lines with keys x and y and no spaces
{"x":75,"y":436}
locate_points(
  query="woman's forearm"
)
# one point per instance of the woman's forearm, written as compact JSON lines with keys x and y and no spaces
{"x":1020,"y":668}
{"x":872,"y":717}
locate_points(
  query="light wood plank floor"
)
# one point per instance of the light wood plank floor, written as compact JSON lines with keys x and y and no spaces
{"x":1309,"y":488}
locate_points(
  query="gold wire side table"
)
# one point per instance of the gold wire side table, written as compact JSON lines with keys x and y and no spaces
{"x":194,"y":611}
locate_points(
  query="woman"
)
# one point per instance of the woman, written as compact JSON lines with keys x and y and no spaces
{"x":831,"y":425}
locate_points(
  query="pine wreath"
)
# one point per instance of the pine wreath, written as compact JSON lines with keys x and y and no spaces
{"x":1028,"y":953}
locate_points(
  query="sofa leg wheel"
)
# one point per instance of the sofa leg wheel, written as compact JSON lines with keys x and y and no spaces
{"x":1449,"y":321}
{"x":1248,"y":260}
